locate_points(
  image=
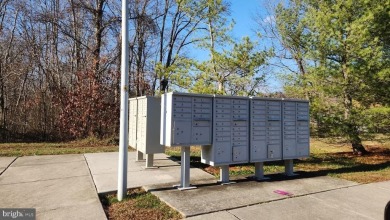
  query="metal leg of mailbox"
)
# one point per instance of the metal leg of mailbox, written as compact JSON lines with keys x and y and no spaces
{"x":289,"y":168}
{"x":149,"y":160}
{"x":224,"y":174}
{"x":139,"y":156}
{"x":185,"y":169}
{"x":259,"y":171}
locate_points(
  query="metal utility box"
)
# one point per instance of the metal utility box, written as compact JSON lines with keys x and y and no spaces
{"x":296,"y":134}
{"x":230,"y":132}
{"x":265,"y":129}
{"x":147,"y":125}
{"x":186,"y":119}
{"x":133,"y":122}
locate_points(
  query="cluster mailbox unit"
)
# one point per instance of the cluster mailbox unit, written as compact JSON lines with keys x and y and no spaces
{"x":186,"y":119}
{"x":235,"y":130}
{"x":230,"y":134}
{"x":266,"y":130}
{"x":144,"y":117}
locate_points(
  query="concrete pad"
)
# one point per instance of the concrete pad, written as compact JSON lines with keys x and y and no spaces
{"x":67,"y":198}
{"x":46,"y":171}
{"x":5,"y":162}
{"x":367,"y":200}
{"x":104,"y":169}
{"x":384,"y":185}
{"x":224,"y":215}
{"x":213,"y":197}
{"x":145,"y":177}
{"x":47,"y":159}
{"x":105,"y":163}
{"x":299,"y":208}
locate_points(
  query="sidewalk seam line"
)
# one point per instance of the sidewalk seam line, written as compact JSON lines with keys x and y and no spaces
{"x":41,"y":164}
{"x":273,"y":200}
{"x":34,"y":181}
{"x":233,"y":214}
{"x":290,"y":197}
{"x":90,"y":173}
{"x":6,"y":168}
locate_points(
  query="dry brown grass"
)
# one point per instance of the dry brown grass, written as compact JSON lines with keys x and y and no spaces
{"x":88,"y":145}
{"x":138,"y":205}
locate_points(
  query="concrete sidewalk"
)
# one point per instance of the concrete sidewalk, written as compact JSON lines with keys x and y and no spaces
{"x":66,"y":187}
{"x":365,"y":201}
{"x":104,"y":170}
{"x":213,"y":197}
{"x":58,"y":186}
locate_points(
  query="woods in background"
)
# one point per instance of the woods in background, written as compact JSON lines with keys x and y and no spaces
{"x":60,"y":61}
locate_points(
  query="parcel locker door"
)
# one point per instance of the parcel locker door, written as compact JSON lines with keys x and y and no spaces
{"x":303,"y":150}
{"x":274,"y":151}
{"x":223,"y":152}
{"x":289,"y":148}
{"x":181,"y":132}
{"x":201,"y":135}
{"x":240,"y":154}
{"x":258,"y":150}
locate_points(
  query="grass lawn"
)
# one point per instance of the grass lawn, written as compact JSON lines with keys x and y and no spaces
{"x":89,"y":145}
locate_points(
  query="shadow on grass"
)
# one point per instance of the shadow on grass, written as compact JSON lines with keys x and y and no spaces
{"x":344,"y":162}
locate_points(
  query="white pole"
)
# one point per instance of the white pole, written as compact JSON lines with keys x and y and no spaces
{"x":124,"y":116}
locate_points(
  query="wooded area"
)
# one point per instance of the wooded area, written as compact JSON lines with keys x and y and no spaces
{"x":60,"y":61}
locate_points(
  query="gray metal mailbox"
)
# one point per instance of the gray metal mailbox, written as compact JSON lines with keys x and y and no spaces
{"x":148,"y":135}
{"x":230,"y":132}
{"x":133,"y":111}
{"x":144,"y":117}
{"x":186,"y":119}
{"x":295,"y":129}
{"x":265,"y":129}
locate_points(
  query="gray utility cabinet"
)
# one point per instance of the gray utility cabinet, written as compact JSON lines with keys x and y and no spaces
{"x":144,"y":118}
{"x":133,"y":106}
{"x":186,"y":119}
{"x":295,"y":129}
{"x":265,"y":129}
{"x":230,"y":132}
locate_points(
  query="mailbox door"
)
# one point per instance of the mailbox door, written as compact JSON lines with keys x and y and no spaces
{"x":181,"y":132}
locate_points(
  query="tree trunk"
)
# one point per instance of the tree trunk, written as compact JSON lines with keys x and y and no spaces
{"x":351,"y":127}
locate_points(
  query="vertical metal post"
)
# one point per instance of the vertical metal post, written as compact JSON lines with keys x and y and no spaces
{"x":149,"y":160}
{"x":259,"y":171}
{"x":289,"y":168}
{"x":124,"y":114}
{"x":139,"y":156}
{"x":185,"y":169}
{"x":224,"y":174}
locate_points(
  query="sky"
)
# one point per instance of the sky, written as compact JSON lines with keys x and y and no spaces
{"x":244,"y":13}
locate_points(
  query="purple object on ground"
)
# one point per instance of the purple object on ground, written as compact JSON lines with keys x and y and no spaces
{"x":281,"y":192}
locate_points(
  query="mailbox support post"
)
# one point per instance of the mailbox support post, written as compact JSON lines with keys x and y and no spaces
{"x":259,"y":171}
{"x":149,"y":160}
{"x":289,"y":168}
{"x":185,"y":169}
{"x":139,"y":156}
{"x":224,"y":174}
